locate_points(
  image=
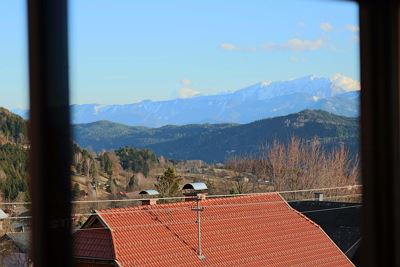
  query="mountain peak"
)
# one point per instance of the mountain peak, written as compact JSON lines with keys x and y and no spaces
{"x":264,"y":99}
{"x":313,"y":77}
{"x":264,"y":83}
{"x":310,"y":77}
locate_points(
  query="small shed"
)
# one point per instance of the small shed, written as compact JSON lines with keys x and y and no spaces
{"x":3,"y":217}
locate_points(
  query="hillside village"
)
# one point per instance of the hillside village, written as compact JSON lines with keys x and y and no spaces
{"x":117,"y":177}
{"x":126,"y":169}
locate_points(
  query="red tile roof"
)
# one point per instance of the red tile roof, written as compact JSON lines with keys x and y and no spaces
{"x":94,"y":243}
{"x":257,"y":230}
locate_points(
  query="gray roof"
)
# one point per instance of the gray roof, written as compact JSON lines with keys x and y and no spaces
{"x":3,"y":215}
{"x":20,"y":239}
{"x":150,"y":192}
{"x":195,"y":186}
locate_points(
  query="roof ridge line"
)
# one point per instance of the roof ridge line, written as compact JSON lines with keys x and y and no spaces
{"x":319,"y":227}
{"x":111,"y":233}
{"x":184,"y":203}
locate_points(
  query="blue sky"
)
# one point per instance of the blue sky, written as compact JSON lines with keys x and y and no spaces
{"x":124,"y":51}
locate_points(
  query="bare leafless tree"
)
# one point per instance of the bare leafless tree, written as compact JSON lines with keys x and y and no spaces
{"x":297,"y":165}
{"x":241,"y":165}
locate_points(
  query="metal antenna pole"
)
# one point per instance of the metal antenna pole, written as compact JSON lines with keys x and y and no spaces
{"x":199,"y":209}
{"x":200,"y":254}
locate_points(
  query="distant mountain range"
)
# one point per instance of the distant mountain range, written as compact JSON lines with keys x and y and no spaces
{"x":259,"y":101}
{"x":208,"y":142}
{"x":216,"y":142}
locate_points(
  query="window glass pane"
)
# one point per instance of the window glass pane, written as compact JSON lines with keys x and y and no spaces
{"x":14,"y":144}
{"x":257,"y":100}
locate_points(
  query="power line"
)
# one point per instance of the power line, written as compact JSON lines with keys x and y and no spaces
{"x":352,"y":246}
{"x":140,"y":209}
{"x":338,"y":208}
{"x":348,"y":187}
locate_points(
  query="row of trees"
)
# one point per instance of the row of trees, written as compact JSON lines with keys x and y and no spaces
{"x":126,"y":158}
{"x":136,"y":160}
{"x":127,"y":162}
{"x":296,"y":165}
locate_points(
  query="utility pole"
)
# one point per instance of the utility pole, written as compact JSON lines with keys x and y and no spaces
{"x":199,"y":209}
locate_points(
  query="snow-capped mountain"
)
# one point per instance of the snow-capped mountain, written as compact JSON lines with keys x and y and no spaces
{"x":337,"y":95}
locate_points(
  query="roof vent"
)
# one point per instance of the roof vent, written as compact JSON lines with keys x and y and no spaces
{"x":150,"y":196}
{"x":191,"y":190}
{"x":319,"y":196}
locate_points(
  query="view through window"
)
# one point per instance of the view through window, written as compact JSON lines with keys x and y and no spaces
{"x":15,"y":215}
{"x":208,"y":133}
{"x":242,"y":98}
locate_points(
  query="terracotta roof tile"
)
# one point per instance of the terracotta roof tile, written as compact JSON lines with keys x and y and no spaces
{"x":93,"y":243}
{"x":258,"y":230}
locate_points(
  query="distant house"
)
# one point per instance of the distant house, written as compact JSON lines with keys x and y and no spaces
{"x":23,"y":224}
{"x":257,"y":230}
{"x":15,"y":250}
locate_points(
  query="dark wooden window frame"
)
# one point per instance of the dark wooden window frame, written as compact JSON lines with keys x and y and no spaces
{"x":49,"y":132}
{"x":51,"y":138}
{"x":379,"y":45}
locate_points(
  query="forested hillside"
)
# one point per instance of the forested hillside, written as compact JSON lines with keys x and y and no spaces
{"x":13,"y":154}
{"x":13,"y":170}
{"x":216,"y":142}
{"x":13,"y":129}
{"x":14,"y":150}
{"x":111,"y":158}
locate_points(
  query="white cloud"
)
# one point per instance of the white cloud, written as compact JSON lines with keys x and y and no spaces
{"x":326,"y":27}
{"x":229,"y":47}
{"x":295,"y":44}
{"x":345,"y":82}
{"x":187,"y":92}
{"x":232,"y":47}
{"x":353,"y":28}
{"x":304,"y":45}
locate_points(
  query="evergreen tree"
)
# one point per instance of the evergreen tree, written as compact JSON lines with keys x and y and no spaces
{"x":168,"y":183}
{"x":132,"y":183}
